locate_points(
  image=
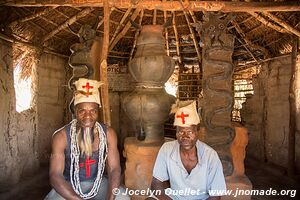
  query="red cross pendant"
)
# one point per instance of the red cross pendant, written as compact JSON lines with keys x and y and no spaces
{"x":182,"y":116}
{"x":87,"y":163}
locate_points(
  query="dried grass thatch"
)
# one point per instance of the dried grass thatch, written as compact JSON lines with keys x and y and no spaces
{"x":257,"y":33}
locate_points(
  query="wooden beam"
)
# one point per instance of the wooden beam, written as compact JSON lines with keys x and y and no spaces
{"x":293,"y":110}
{"x":224,"y":6}
{"x":154,"y":16}
{"x":120,"y":25}
{"x":38,"y":26}
{"x":125,"y":29}
{"x":176,"y":38}
{"x":136,"y":36}
{"x":194,"y":20}
{"x":103,"y":66}
{"x":32,"y":16}
{"x":193,"y":34}
{"x":282,"y":23}
{"x":102,"y":20}
{"x":249,"y":42}
{"x":53,"y":23}
{"x":70,"y":21}
{"x":166,"y":34}
{"x":31,"y":45}
{"x":267,"y":23}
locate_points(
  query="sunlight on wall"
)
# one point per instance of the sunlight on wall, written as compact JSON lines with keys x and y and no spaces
{"x":241,"y":89}
{"x":23,"y":91}
{"x":171,"y":89}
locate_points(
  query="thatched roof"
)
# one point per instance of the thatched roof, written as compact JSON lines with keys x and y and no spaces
{"x":262,"y":29}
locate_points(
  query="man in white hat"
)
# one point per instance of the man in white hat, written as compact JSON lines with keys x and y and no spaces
{"x":82,"y":150}
{"x":187,"y":168}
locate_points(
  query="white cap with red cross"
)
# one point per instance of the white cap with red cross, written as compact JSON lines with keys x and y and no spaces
{"x":87,"y":91}
{"x":186,"y":114}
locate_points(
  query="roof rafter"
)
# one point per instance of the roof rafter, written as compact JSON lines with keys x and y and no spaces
{"x":192,"y":34}
{"x":70,"y":21}
{"x":225,"y":6}
{"x":176,"y":38}
{"x":267,"y":22}
{"x":282,"y":23}
{"x":120,"y":25}
{"x":38,"y":26}
{"x":249,"y":42}
{"x":33,"y":16}
{"x":166,"y":34}
{"x":125,"y":29}
{"x":136,"y":36}
{"x":154,"y":17}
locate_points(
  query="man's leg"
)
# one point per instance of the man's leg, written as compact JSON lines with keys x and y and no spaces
{"x":53,"y":195}
{"x":101,"y":195}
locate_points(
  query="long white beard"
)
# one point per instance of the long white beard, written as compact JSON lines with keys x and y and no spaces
{"x":85,"y":141}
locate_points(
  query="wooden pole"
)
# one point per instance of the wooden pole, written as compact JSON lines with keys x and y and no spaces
{"x":32,"y":16}
{"x":136,"y":36}
{"x":282,"y":23}
{"x":103,"y":66}
{"x":292,"y":95}
{"x":125,"y":29}
{"x":267,"y":23}
{"x":249,"y":42}
{"x":128,"y":11}
{"x":193,"y":34}
{"x":70,"y":21}
{"x":224,"y":6}
{"x":176,"y":37}
{"x":28,"y":44}
{"x":166,"y":34}
{"x":154,"y":17}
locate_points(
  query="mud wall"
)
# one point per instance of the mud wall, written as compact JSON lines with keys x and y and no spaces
{"x":18,"y":132}
{"x":266,"y":114}
{"x":51,"y":103}
{"x":25,"y":137}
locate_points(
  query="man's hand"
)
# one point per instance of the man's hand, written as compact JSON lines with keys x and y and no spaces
{"x":158,"y":185}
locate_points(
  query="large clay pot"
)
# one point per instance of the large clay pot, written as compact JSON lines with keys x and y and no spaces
{"x":151,"y":65}
{"x":149,"y":104}
{"x":149,"y":109}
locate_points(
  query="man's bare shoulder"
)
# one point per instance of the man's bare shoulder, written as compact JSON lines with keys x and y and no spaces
{"x":60,"y":135}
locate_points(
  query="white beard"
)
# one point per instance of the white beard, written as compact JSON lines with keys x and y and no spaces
{"x":85,"y":141}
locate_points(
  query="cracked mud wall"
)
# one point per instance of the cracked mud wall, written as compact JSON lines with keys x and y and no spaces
{"x":266,"y":114}
{"x":18,"y":133}
{"x":50,"y":100}
{"x":25,"y":138}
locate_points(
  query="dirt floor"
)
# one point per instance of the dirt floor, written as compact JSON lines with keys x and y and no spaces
{"x":262,"y":177}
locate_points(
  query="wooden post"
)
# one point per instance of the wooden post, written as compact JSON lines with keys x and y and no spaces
{"x":136,"y":36}
{"x":176,"y":37}
{"x":192,"y":34}
{"x":103,"y":66}
{"x":292,"y":95}
{"x":166,"y":34}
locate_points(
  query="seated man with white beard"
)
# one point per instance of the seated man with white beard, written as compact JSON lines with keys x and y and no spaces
{"x":82,"y":150}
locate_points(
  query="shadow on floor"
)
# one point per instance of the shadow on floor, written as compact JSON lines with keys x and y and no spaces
{"x":263,"y":177}
{"x":269,"y":178}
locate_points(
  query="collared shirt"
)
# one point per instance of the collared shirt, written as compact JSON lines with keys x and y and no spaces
{"x":206,"y":175}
